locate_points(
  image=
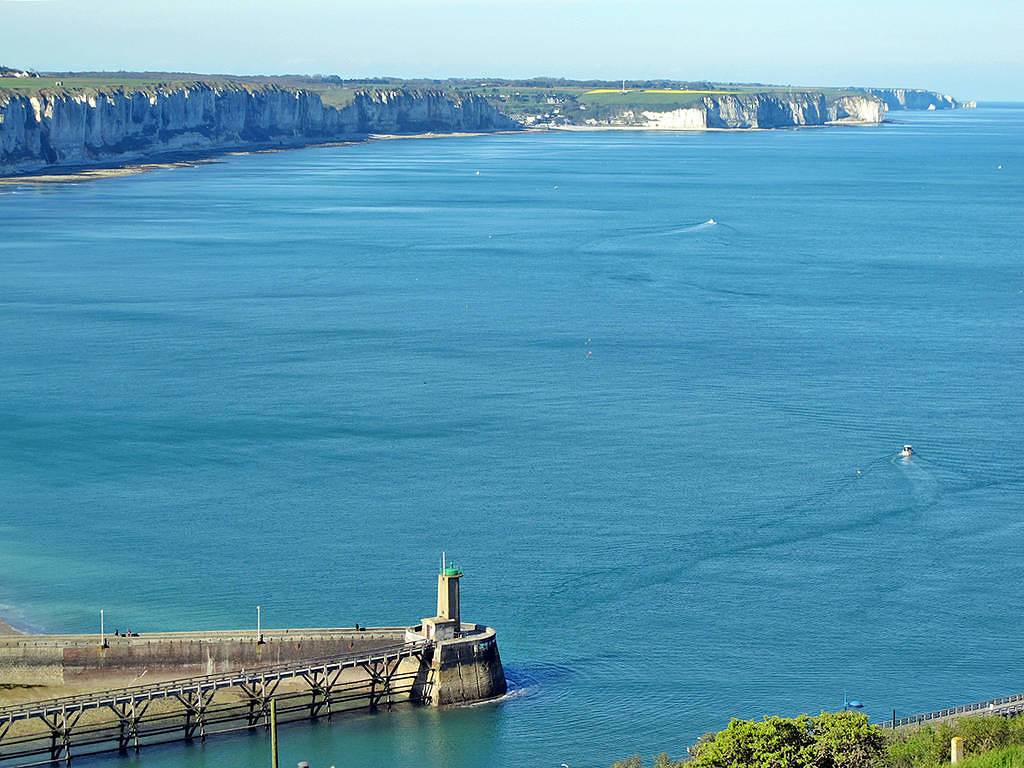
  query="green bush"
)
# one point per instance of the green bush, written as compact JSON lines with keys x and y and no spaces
{"x":846,"y":740}
{"x":830,"y":740}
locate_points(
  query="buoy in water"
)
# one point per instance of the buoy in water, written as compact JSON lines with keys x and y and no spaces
{"x":849,"y":703}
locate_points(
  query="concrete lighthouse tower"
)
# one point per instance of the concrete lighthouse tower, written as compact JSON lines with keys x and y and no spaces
{"x":464,"y":663}
{"x":447,"y":624}
{"x":448,"y":606}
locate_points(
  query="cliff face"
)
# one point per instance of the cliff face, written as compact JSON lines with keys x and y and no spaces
{"x":913,"y":98}
{"x":398,"y":111}
{"x":758,"y":110}
{"x":765,"y":110}
{"x":87,"y":128}
{"x":856,"y":109}
{"x":82,"y":128}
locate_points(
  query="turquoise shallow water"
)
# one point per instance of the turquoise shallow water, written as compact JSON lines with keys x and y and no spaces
{"x":294,"y":379}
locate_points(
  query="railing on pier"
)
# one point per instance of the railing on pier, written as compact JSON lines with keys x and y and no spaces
{"x":118,"y":719}
{"x":1005,"y":706}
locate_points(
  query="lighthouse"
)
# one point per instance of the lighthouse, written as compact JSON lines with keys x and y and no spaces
{"x":446,"y":625}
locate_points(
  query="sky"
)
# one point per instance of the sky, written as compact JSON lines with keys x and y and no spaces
{"x":972,"y":49}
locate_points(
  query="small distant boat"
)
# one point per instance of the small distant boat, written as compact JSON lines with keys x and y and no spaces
{"x":907,"y":451}
{"x":711,"y":221}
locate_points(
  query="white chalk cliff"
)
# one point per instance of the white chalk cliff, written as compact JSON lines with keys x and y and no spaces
{"x":755,"y":110}
{"x":92,"y":127}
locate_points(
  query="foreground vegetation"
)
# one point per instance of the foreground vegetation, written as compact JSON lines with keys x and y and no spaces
{"x":849,"y":740}
{"x":1007,"y":757}
{"x":928,"y":746}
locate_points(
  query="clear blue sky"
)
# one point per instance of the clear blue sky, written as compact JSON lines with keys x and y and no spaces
{"x":970,"y":48}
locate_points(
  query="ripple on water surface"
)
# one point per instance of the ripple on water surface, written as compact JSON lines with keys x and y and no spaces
{"x":663,"y":450}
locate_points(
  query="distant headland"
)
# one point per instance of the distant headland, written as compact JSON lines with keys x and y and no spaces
{"x":55,"y":123}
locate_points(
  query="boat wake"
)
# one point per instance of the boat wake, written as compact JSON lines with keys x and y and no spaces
{"x":703,"y":226}
{"x":805,"y":519}
{"x":633,"y":234}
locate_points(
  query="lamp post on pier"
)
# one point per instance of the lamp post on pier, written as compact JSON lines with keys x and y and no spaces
{"x":103,"y":632}
{"x":259,"y":625}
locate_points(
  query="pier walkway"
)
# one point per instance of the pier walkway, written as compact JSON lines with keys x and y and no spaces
{"x":194,"y":707}
{"x":1004,"y":706}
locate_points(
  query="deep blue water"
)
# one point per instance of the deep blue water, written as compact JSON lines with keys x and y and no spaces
{"x":293,"y":379}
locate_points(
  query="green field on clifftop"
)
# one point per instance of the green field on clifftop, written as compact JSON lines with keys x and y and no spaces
{"x":30,"y":86}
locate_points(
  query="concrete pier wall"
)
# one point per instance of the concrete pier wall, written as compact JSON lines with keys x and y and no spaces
{"x":55,"y":660}
{"x":464,"y":669}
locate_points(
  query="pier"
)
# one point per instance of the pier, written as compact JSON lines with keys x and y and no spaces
{"x":197,"y":707}
{"x":1005,"y":706}
{"x":205,"y":683}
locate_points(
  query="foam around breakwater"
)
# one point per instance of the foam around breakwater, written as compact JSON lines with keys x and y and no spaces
{"x":62,"y":129}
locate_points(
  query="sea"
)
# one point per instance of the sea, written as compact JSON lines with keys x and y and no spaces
{"x":648,"y":389}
